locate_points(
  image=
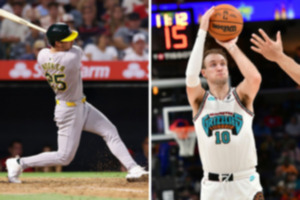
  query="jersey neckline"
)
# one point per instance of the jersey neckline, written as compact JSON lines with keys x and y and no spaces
{"x":228,"y":93}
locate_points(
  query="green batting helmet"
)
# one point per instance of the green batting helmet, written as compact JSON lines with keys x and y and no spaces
{"x":60,"y":32}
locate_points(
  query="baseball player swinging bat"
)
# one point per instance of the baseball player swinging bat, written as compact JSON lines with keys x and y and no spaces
{"x":73,"y":113}
{"x":19,"y":20}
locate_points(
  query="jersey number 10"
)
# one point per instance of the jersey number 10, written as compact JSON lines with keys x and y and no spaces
{"x":225,"y":137}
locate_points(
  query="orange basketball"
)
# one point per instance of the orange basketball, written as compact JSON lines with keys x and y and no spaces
{"x":225,"y":23}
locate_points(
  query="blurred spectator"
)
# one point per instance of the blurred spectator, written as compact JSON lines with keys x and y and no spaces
{"x":285,"y":168}
{"x":12,"y":33}
{"x":292,"y":152}
{"x":142,"y":9}
{"x":116,"y":20}
{"x":260,"y":129}
{"x":128,"y":5}
{"x":109,"y":6}
{"x":32,"y":36}
{"x":273,"y":120}
{"x":63,"y":2}
{"x":27,"y":10}
{"x":71,"y":8}
{"x":38,"y":45}
{"x":292,"y":127}
{"x":90,"y":27}
{"x":141,"y":156}
{"x":138,"y":49}
{"x":86,"y":4}
{"x":101,"y":51}
{"x":123,"y":36}
{"x":15,"y":148}
{"x":52,"y":17}
{"x":69,"y":20}
{"x":83,"y":4}
{"x":286,"y":187}
{"x":145,"y":147}
{"x":42,"y":9}
{"x":49,"y":168}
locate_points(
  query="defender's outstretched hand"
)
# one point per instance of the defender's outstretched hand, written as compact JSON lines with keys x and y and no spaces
{"x":205,"y":18}
{"x":273,"y":51}
{"x":270,"y":49}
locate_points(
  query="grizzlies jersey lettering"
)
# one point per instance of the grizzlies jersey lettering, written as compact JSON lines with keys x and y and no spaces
{"x":62,"y":70}
{"x":224,"y":132}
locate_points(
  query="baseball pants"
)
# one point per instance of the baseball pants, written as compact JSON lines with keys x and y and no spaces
{"x":71,"y":120}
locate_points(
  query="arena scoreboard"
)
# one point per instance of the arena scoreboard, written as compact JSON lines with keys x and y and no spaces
{"x":173,"y":34}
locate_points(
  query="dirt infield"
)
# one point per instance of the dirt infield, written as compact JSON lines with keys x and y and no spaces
{"x":100,"y":187}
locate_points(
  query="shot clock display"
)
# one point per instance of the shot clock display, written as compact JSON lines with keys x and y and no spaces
{"x":172,"y":32}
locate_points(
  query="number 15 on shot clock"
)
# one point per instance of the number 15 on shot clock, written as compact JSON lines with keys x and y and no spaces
{"x":174,"y":27}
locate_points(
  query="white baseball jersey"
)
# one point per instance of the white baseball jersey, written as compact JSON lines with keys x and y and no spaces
{"x":62,"y":70}
{"x":224,"y":132}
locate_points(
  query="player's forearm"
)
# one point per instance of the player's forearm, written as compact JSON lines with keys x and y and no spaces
{"x":246,"y":67}
{"x":195,"y":61}
{"x":289,"y":66}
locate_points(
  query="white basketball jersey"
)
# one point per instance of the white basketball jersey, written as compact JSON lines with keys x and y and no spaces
{"x":224,"y":132}
{"x":62,"y":70}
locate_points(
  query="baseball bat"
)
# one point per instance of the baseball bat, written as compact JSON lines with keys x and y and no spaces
{"x":15,"y":18}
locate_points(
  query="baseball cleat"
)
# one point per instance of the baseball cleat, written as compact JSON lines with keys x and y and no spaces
{"x":137,"y":174}
{"x":14,"y":170}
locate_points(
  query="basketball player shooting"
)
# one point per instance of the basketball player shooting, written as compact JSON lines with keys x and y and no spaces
{"x":273,"y":51}
{"x":223,"y":120}
{"x":61,"y":66}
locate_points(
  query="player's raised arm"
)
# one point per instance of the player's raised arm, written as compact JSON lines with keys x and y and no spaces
{"x":195,"y":92}
{"x":249,"y":87}
{"x":273,"y":51}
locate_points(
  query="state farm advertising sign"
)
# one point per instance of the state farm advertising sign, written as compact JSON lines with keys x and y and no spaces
{"x":13,"y":70}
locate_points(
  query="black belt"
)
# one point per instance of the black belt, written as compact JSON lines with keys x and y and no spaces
{"x":215,"y":177}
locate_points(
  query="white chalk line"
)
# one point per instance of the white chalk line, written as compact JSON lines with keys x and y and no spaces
{"x":114,"y":189}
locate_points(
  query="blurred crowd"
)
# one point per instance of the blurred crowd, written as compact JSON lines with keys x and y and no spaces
{"x":108,"y":29}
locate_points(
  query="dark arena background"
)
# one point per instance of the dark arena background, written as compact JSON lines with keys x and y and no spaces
{"x":277,"y":106}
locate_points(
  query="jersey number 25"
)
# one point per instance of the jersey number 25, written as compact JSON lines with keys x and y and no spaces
{"x":55,"y":81}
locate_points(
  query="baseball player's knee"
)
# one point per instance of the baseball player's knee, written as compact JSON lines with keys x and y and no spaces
{"x":64,"y":158}
{"x":112,"y":134}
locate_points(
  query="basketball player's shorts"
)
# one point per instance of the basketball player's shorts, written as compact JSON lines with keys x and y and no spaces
{"x":244,"y":185}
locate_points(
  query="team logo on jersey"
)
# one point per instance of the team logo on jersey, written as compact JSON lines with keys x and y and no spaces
{"x":222,"y":120}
